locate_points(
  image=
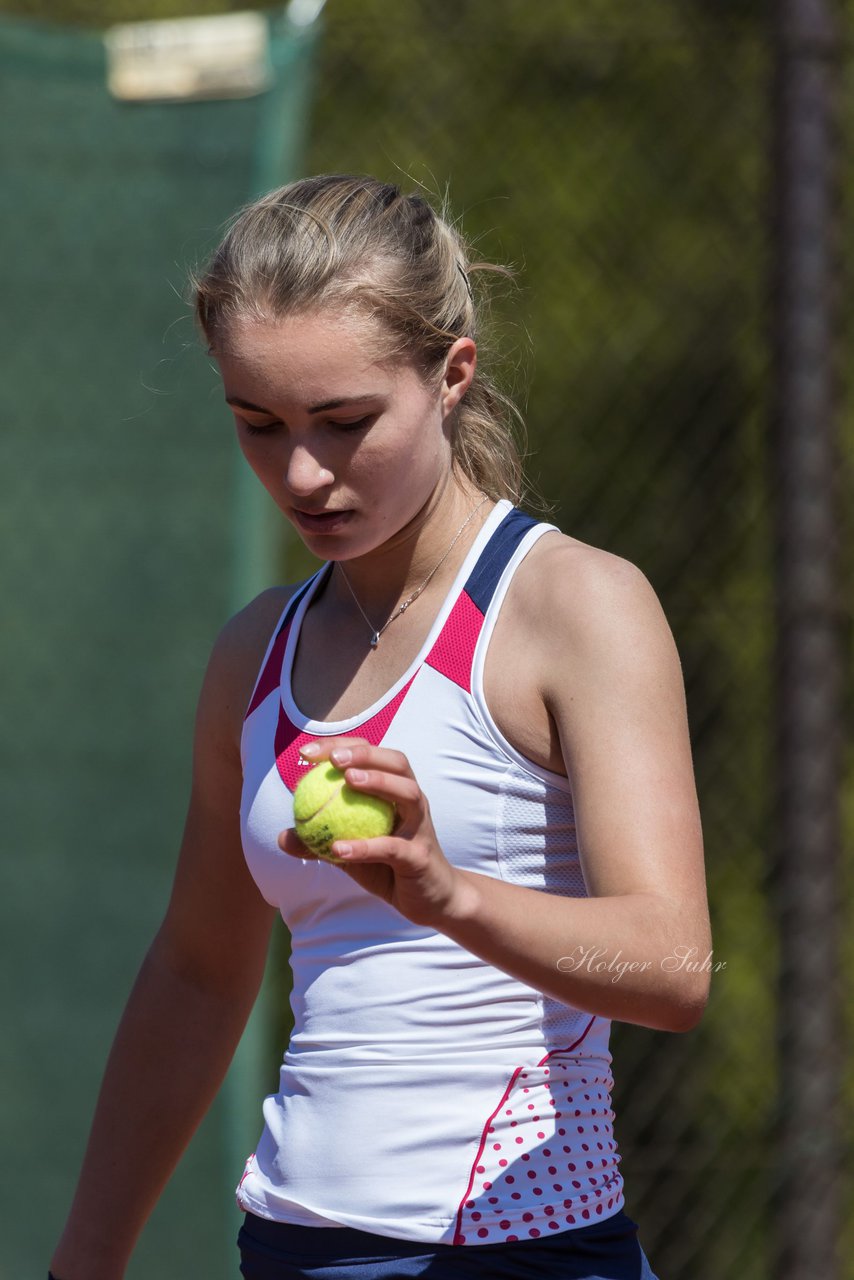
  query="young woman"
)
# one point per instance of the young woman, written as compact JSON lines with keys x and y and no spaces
{"x":444,"y":1107}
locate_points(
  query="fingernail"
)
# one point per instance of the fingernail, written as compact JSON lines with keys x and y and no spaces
{"x":342,"y":850}
{"x":310,"y":749}
{"x":356,"y":775}
{"x":342,"y":755}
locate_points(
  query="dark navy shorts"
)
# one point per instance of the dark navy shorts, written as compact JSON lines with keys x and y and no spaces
{"x":606,"y":1250}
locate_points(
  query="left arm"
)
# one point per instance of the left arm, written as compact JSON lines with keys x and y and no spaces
{"x":611,"y":681}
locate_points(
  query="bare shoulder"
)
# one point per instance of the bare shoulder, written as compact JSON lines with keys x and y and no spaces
{"x":587,"y":601}
{"x":590,"y":628}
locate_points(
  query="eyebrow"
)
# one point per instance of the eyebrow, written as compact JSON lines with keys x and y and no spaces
{"x":314,"y":408}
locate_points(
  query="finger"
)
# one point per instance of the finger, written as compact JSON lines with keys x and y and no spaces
{"x":321,"y":748}
{"x":355,"y":751}
{"x":361,"y":755}
{"x":400,"y":790}
{"x":289,"y":842}
{"x":404,"y":857}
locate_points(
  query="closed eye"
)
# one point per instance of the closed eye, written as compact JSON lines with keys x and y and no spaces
{"x":356,"y":425}
{"x":256,"y":429}
{"x":265,"y":428}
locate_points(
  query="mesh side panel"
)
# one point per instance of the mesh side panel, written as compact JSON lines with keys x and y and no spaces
{"x":523,"y":848}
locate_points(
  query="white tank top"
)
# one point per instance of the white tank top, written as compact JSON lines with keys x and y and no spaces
{"x":425,"y":1094}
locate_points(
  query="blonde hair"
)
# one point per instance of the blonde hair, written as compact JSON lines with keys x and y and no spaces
{"x":358,"y":241}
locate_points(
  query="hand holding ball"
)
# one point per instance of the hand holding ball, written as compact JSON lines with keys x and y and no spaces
{"x":327,"y":809}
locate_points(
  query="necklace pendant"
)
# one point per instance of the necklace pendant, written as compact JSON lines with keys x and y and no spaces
{"x":375,"y":639}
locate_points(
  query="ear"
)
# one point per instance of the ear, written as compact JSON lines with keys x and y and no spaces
{"x":460,"y":365}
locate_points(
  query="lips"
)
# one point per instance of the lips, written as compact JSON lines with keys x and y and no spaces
{"x":321,"y":521}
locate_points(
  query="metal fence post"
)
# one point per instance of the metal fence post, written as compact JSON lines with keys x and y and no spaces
{"x":807,"y":873}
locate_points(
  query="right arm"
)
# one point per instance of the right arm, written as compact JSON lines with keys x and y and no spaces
{"x":194,"y":992}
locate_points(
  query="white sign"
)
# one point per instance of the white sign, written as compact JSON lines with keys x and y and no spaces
{"x":179,"y":59}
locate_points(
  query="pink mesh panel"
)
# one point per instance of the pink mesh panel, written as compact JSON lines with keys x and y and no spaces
{"x":289,"y":739}
{"x":453,"y":652}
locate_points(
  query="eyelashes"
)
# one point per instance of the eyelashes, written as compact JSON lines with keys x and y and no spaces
{"x":360,"y":424}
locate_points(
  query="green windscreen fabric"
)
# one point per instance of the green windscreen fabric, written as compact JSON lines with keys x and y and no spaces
{"x":127,"y":541}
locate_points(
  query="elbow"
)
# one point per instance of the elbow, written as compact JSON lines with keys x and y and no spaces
{"x":688,"y":1004}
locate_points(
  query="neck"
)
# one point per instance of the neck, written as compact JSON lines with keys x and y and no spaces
{"x":387,"y":576}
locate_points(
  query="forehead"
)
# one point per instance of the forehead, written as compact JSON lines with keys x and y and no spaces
{"x":312,"y":355}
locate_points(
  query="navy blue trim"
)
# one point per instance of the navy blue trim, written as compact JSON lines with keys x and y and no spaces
{"x":495,"y":557}
{"x":295,"y":599}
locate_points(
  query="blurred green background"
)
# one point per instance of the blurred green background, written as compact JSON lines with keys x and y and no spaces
{"x":617,"y":155}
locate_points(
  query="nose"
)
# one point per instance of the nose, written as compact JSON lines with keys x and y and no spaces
{"x":305,"y":473}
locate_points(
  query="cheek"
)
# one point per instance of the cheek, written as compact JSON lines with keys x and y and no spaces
{"x":399,"y":468}
{"x":257,"y":452}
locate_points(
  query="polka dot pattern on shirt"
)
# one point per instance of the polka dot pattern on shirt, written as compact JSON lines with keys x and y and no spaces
{"x":548,"y":1161}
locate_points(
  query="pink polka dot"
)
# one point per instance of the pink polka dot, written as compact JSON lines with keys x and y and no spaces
{"x":508,"y":1112}
{"x":527,"y":1217}
{"x":487,"y":1186}
{"x":504,"y":1224}
{"x":553,"y":1226}
{"x":552,"y":1170}
{"x":493,"y":1199}
{"x":512,"y":1239}
{"x":532,"y":1173}
{"x":549,"y":1209}
{"x":470,"y":1204}
{"x":483,"y":1232}
{"x":476,"y":1217}
{"x":496,"y":1146}
{"x":510,"y":1178}
{"x":585,"y":1213}
{"x":570,"y":1219}
{"x":538,"y":1191}
{"x":520,"y":1139}
{"x":532,"y":1231}
{"x":546,"y":1151}
{"x":515,"y":1195}
{"x":503,"y":1164}
{"x":481,"y":1169}
{"x":557,"y":1186}
{"x":562,"y":1133}
{"x":598,"y":1208}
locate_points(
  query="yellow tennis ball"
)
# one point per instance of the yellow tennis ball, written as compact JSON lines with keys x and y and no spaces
{"x":326,"y":809}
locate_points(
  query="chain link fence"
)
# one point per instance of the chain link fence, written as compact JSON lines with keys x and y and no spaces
{"x":619,"y":157}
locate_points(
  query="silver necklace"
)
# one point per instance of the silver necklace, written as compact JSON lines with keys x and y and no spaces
{"x":401,"y":608}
